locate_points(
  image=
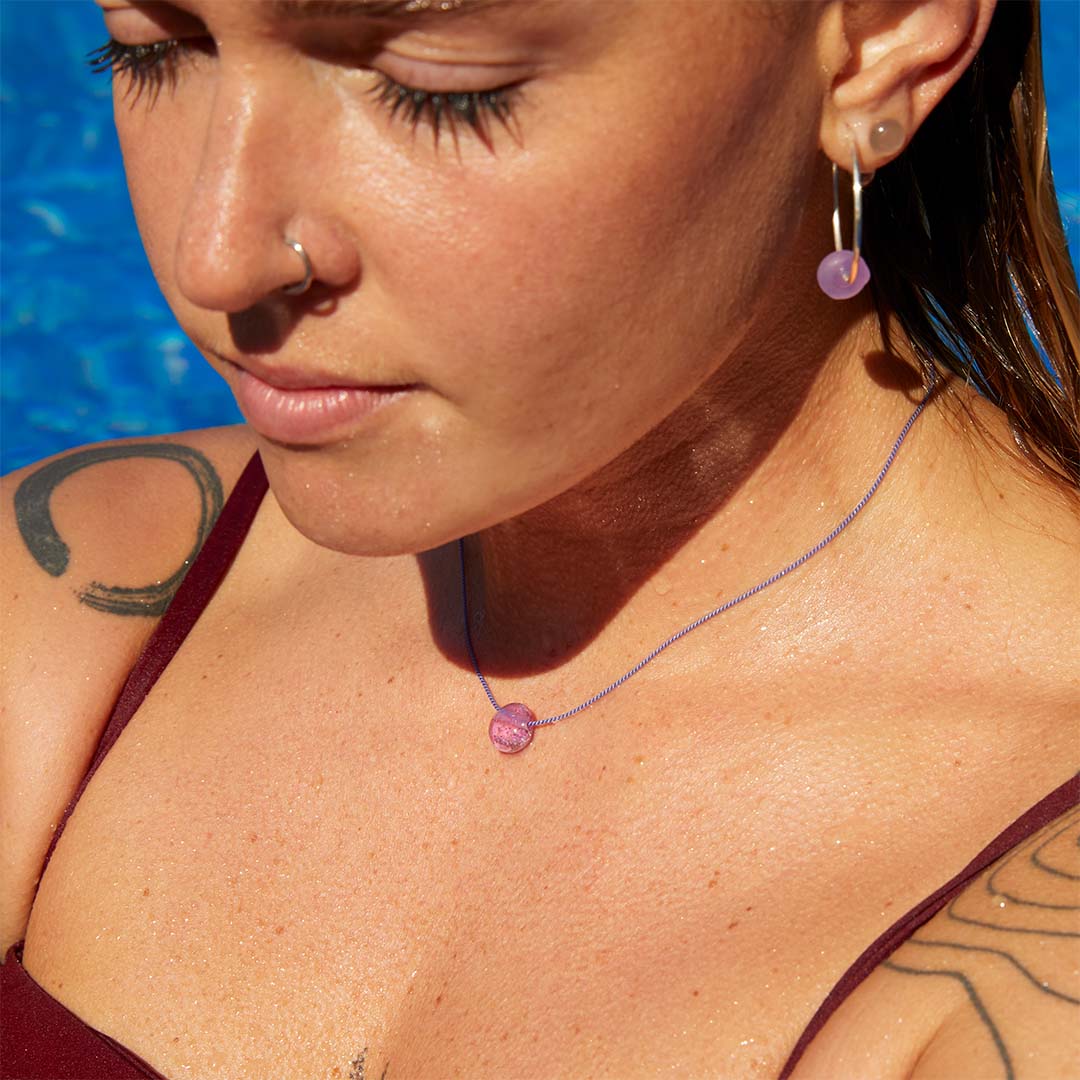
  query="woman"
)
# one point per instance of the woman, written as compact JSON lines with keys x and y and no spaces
{"x":551,"y":278}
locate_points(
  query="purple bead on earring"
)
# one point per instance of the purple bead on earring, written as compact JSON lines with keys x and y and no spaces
{"x":834,"y":271}
{"x":842,"y":274}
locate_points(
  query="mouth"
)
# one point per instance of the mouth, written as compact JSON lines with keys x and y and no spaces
{"x":290,"y":405}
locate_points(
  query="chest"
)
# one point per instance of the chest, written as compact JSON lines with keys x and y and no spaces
{"x":273,"y":872}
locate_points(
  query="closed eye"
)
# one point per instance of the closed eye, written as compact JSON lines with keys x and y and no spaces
{"x":436,"y":107}
{"x":148,"y":67}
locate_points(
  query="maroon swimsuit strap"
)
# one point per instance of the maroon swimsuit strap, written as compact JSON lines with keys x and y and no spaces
{"x":1055,"y":804}
{"x":195,"y":591}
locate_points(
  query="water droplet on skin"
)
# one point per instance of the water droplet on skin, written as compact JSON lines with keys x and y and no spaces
{"x":662,"y":586}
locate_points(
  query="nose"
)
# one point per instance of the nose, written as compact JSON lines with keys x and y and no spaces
{"x":252,"y":196}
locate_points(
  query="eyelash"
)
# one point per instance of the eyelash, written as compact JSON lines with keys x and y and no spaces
{"x":474,"y":107}
{"x":150,"y":66}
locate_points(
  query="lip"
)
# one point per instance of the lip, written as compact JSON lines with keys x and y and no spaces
{"x":308,"y":412}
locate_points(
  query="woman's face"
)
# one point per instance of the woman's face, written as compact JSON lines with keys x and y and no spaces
{"x":548,"y":290}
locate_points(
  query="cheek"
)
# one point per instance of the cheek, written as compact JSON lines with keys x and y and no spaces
{"x":539,"y":283}
{"x":160,"y":161}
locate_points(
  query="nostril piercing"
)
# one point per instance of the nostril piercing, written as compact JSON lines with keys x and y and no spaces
{"x":303,"y":285}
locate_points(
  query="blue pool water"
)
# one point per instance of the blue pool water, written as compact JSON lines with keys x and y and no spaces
{"x":90,"y":350}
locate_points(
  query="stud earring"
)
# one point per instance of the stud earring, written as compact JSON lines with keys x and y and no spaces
{"x":886,"y":137}
{"x":842,"y":274}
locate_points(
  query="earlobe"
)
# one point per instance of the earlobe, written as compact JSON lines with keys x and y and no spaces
{"x":892,"y":63}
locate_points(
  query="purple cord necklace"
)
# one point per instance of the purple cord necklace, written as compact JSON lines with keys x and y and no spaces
{"x":511,"y":728}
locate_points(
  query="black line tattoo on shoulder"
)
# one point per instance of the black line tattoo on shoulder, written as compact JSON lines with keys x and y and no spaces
{"x":45,"y":544}
{"x":976,"y":1001}
{"x":1042,"y":899}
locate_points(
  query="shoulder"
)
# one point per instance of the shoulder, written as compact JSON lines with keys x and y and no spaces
{"x":989,"y":987}
{"x":87,"y":524}
{"x":96,"y":541}
{"x":1002,"y":959}
{"x":991,"y":495}
{"x":985,"y":561}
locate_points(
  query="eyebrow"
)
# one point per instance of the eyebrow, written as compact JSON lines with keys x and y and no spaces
{"x":386,"y":9}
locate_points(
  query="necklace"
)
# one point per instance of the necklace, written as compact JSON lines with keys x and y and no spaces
{"x":511,"y":728}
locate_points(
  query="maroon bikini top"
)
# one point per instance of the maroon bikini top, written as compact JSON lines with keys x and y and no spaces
{"x":40,"y":1039}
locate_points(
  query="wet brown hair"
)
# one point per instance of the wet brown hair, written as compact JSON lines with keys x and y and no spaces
{"x":965,"y":237}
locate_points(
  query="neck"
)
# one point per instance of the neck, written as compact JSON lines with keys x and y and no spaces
{"x":737,"y":483}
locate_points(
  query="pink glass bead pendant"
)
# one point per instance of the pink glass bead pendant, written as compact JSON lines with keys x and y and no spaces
{"x":509,"y":729}
{"x":832,"y":275}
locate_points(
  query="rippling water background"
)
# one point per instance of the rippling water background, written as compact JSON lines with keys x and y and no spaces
{"x":89,"y":349}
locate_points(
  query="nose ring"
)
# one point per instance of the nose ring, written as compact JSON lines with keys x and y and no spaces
{"x":298,"y":287}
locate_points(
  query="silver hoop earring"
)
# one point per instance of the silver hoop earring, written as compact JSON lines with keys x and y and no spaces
{"x":842,"y":274}
{"x":298,"y":287}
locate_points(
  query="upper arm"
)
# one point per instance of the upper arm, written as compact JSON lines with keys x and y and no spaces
{"x":95,"y":540}
{"x":1008,"y":948}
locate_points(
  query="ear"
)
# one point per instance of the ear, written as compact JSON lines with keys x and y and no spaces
{"x":891,"y":60}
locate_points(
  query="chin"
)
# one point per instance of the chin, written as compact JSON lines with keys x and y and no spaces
{"x":356,"y":511}
{"x":357,"y":530}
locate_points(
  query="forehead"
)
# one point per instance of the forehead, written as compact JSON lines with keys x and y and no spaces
{"x":697,"y":31}
{"x":779,"y":15}
{"x":394,"y":9}
{"x":300,"y":10}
